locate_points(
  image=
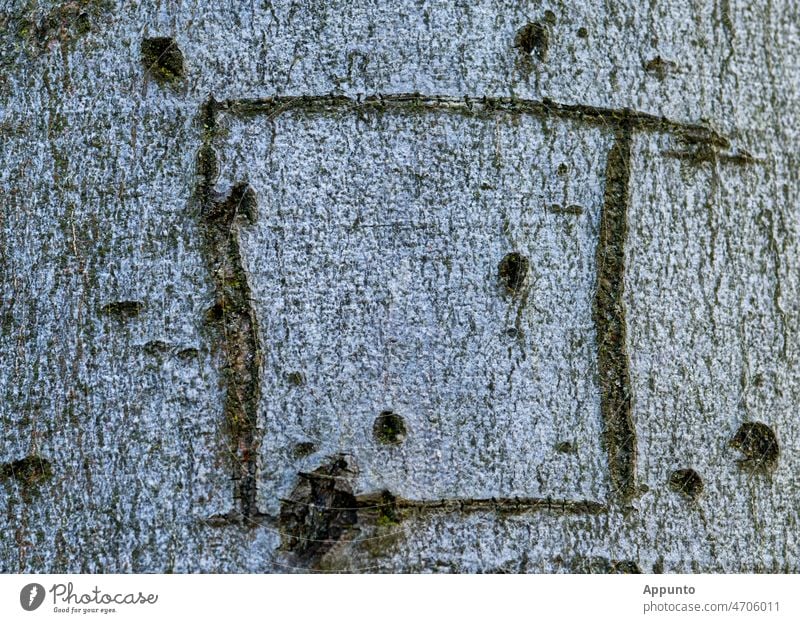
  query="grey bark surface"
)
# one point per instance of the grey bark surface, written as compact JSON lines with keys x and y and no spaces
{"x":399,"y":286}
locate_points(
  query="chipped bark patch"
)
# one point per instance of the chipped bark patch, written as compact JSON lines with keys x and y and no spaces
{"x":513,"y":271}
{"x":29,"y":472}
{"x":319,"y":513}
{"x":625,"y":567}
{"x":122,"y":310}
{"x":603,"y":565}
{"x":295,"y":378}
{"x":759,"y":445}
{"x":566,"y":447}
{"x":304,"y":449}
{"x":533,"y":39}
{"x":660,"y":67}
{"x":687,"y":482}
{"x":38,"y":25}
{"x":610,"y":322}
{"x":389,"y":428}
{"x":162,"y":59}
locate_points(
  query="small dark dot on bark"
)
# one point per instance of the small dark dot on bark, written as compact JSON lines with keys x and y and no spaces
{"x":304,"y":448}
{"x":216,"y":312}
{"x":389,"y":428}
{"x":295,"y":378}
{"x":162,"y":59}
{"x":759,"y":445}
{"x":533,"y":39}
{"x":687,"y":482}
{"x":513,"y":270}
{"x":30,"y":471}
{"x":625,"y":567}
{"x":122,"y":309}
{"x":566,"y":447}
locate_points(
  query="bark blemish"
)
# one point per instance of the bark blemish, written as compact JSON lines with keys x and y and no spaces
{"x":304,"y":449}
{"x":320,"y":512}
{"x":566,"y":447}
{"x":122,"y":310}
{"x":296,"y":378}
{"x":513,"y":271}
{"x":660,"y":67}
{"x":687,"y":482}
{"x":163,"y":59}
{"x":533,"y":39}
{"x":389,"y":428}
{"x":759,"y":445}
{"x":29,"y":472}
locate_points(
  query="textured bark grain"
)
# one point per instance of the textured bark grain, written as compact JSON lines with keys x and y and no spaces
{"x":399,"y":286}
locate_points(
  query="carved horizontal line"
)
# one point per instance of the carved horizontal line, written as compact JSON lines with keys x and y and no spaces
{"x":740,"y":157}
{"x":385,"y":501}
{"x":597,"y":115}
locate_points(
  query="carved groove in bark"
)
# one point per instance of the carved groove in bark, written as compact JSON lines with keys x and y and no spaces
{"x":610,"y":322}
{"x":241,"y":344}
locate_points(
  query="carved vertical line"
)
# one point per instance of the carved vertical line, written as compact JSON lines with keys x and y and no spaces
{"x":610,"y":322}
{"x":232,"y":318}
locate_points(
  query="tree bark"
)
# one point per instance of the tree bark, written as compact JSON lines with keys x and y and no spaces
{"x":399,"y":286}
